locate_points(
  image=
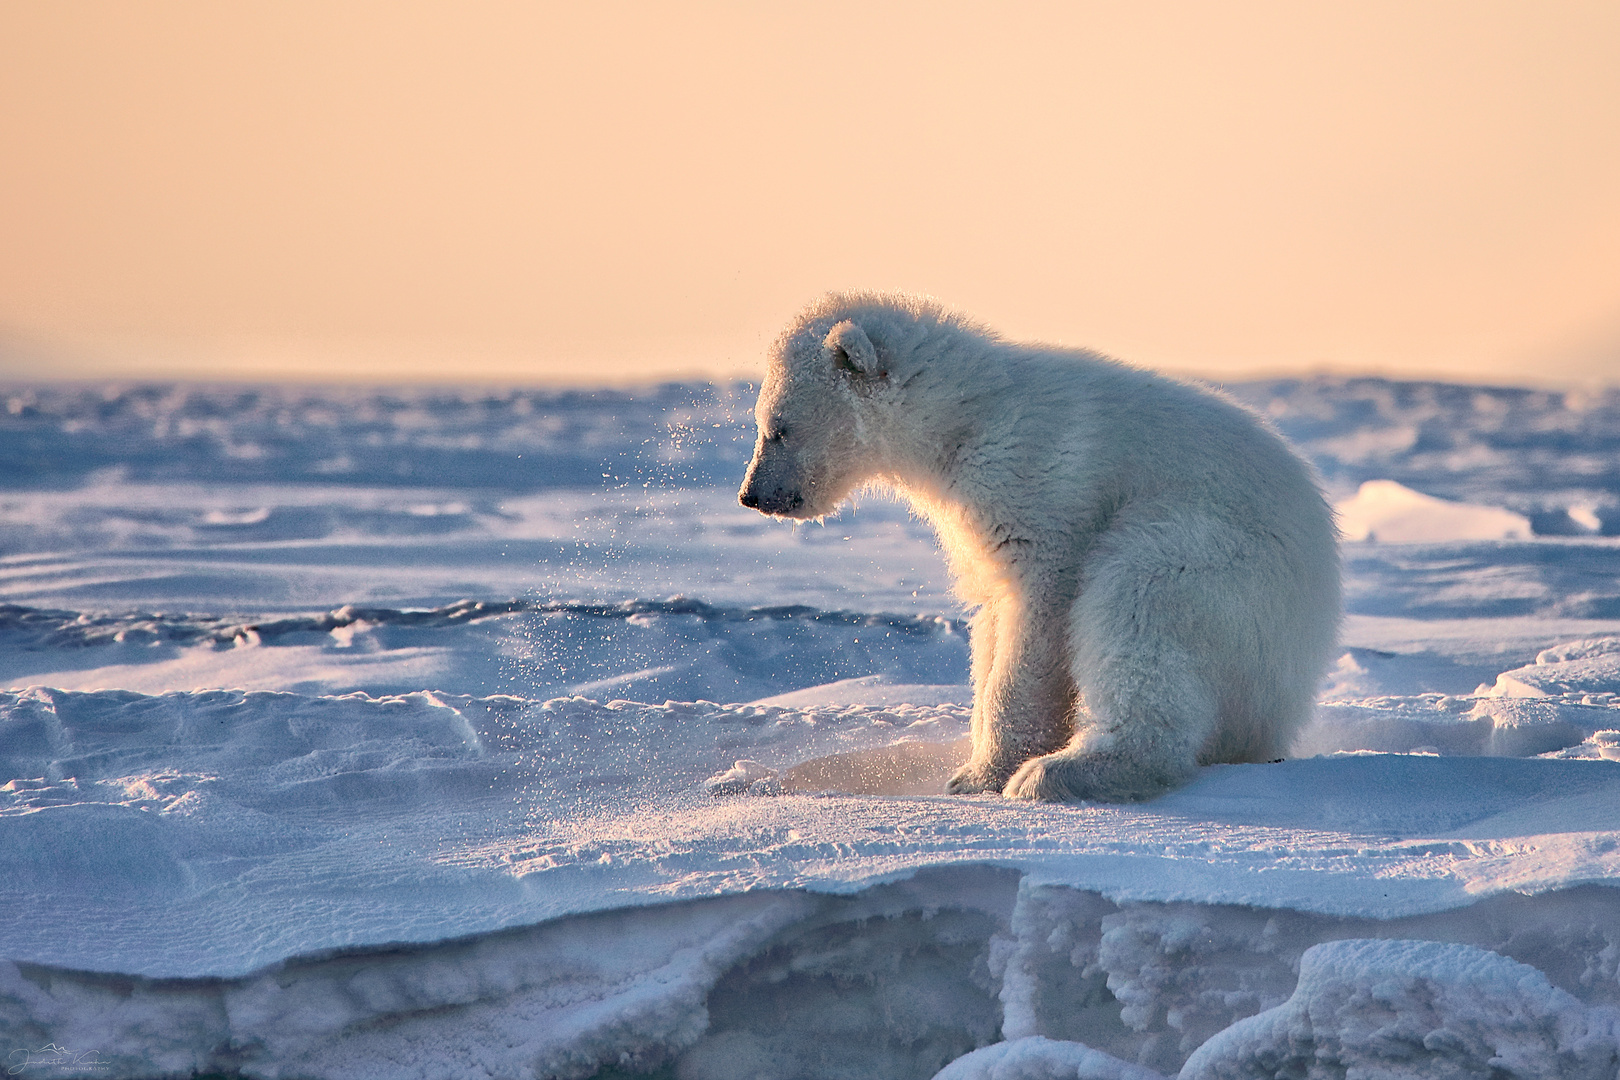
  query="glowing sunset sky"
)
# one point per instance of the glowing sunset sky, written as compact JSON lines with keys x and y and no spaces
{"x":590,"y":192}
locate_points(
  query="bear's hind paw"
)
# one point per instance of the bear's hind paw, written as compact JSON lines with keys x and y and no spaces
{"x":1060,"y":778}
{"x":1068,"y":777}
{"x":1035,"y":780}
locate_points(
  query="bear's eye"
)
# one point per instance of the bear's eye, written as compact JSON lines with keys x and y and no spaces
{"x":777,"y":436}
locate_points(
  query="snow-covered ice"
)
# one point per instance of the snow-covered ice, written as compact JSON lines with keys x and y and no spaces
{"x":1383,"y":510}
{"x":433,"y":733}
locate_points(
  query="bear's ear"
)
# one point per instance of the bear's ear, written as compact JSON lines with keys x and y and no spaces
{"x":851,"y":349}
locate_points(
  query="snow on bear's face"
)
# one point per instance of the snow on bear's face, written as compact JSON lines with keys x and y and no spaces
{"x":811,"y":449}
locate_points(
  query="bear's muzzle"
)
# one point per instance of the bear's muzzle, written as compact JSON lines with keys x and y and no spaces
{"x":779,"y":502}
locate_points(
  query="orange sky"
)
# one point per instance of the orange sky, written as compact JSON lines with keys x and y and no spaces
{"x":591,"y":192}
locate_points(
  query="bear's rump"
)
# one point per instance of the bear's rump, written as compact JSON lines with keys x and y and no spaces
{"x":1218,"y":622}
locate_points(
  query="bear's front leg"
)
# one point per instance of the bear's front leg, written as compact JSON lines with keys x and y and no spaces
{"x":1022,"y":693}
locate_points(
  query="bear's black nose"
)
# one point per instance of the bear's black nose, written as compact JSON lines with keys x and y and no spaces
{"x":748,"y":499}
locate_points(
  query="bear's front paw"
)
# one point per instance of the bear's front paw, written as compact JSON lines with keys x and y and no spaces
{"x":970,"y":780}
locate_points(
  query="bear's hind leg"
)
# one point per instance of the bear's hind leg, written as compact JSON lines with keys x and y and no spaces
{"x":1142,"y":716}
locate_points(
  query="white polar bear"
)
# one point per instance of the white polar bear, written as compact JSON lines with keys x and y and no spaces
{"x":1155,"y":573}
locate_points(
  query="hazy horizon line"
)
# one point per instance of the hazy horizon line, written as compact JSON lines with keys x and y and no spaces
{"x":355,"y":361}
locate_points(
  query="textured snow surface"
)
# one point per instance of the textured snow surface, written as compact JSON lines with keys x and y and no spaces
{"x":1367,"y":1008}
{"x":425,"y":733}
{"x":1417,"y":1009}
{"x":214,"y":832}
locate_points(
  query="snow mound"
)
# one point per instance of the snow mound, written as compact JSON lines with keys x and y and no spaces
{"x":873,"y":690}
{"x":1588,"y":670}
{"x":1416,"y":1009}
{"x":904,"y":769}
{"x":746,"y":775}
{"x":1443,"y":724}
{"x":1598,"y":746}
{"x":1039,"y":1058}
{"x":1391,"y":513}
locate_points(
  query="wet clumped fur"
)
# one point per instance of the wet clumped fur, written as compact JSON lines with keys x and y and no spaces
{"x":1154,"y":572}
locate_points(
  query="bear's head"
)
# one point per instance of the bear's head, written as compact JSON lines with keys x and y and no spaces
{"x":817,"y":410}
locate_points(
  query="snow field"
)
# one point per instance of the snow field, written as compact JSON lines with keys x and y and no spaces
{"x":256,"y":867}
{"x":437,"y":823}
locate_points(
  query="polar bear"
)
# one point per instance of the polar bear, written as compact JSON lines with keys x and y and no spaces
{"x":1155,"y":573}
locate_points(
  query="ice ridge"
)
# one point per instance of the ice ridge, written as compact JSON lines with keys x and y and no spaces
{"x":965,"y":972}
{"x":52,"y":628}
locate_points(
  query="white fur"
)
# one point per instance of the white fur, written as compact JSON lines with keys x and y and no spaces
{"x":1155,"y":573}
